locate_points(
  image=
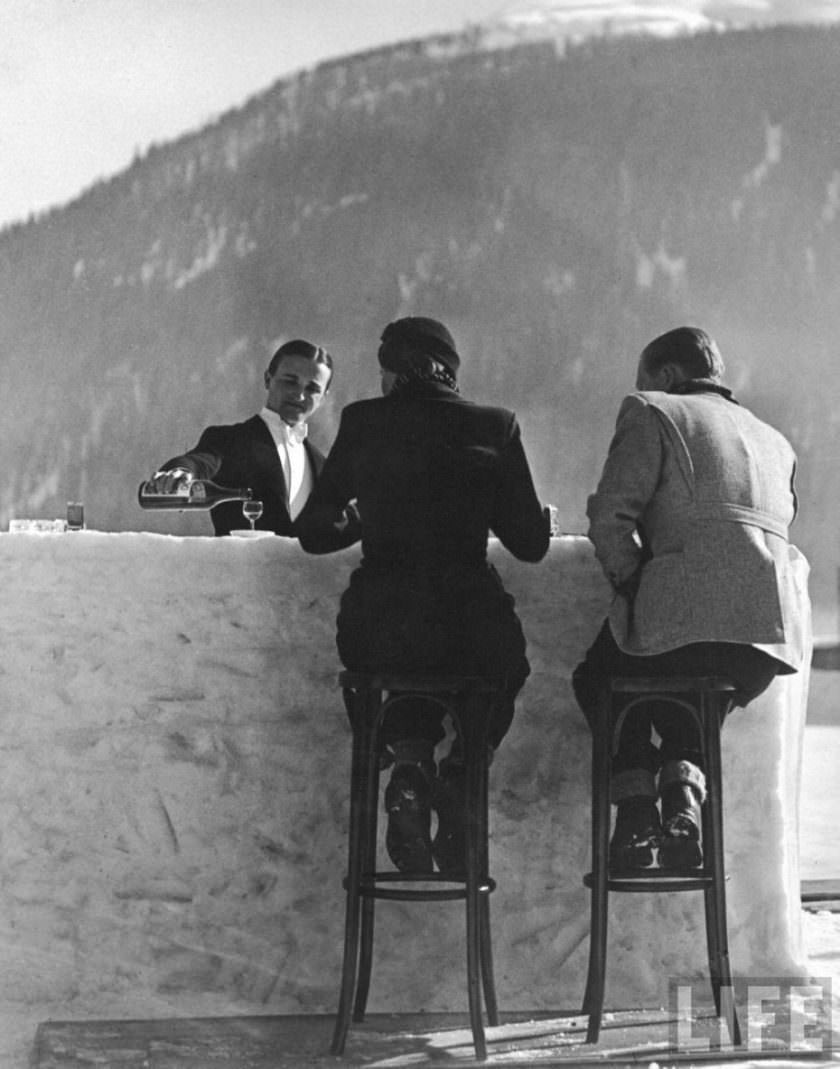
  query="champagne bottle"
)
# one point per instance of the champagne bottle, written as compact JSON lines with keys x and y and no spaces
{"x":195,"y":495}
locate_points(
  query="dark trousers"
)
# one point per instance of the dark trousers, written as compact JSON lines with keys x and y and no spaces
{"x":394,"y":620}
{"x":750,"y":669}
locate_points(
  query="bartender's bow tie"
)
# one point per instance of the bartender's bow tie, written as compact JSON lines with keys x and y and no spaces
{"x":294,"y":435}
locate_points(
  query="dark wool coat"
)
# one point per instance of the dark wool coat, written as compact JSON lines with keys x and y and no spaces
{"x":432,"y":476}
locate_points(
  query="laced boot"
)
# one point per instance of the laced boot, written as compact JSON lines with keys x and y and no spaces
{"x":636,"y":834}
{"x":682,"y":788}
{"x":408,"y":838}
{"x":450,"y":791}
{"x":449,"y":799}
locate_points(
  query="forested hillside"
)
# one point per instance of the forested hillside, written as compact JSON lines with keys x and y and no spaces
{"x":555,"y":210}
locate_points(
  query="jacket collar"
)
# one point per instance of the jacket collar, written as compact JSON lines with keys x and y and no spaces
{"x":429,"y":390}
{"x":691,"y":386}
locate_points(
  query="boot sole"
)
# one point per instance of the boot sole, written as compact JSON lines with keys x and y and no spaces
{"x":679,"y":852}
{"x":408,"y":837}
{"x":631,"y":858}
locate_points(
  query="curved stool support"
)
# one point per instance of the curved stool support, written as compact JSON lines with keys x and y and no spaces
{"x":707,"y":699}
{"x":467,"y":700}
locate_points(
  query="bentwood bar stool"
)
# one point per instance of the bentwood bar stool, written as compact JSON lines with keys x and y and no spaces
{"x":468,"y":700}
{"x":707,"y":699}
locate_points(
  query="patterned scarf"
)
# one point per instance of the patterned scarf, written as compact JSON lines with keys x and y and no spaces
{"x":419,"y":376}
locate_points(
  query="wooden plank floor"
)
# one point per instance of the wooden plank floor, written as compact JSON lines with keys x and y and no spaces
{"x":820,"y":894}
{"x":424,"y":1040}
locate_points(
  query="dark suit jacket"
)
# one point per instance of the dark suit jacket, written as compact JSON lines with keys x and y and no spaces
{"x":240,"y":455}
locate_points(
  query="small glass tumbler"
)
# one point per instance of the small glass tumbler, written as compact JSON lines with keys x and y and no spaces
{"x":75,"y":516}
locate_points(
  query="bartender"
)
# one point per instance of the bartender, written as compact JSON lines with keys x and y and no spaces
{"x":270,"y":452}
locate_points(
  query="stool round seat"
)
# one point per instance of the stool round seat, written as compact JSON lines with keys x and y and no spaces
{"x":468,"y":700}
{"x":707,"y":699}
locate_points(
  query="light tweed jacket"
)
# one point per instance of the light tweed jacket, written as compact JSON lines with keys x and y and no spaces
{"x":698,"y":493}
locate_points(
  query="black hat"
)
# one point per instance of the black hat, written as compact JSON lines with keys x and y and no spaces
{"x":418,"y":334}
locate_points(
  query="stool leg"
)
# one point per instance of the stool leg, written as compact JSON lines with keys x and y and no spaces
{"x":710,"y":906}
{"x":710,"y":861}
{"x":369,"y":824}
{"x":486,"y":945}
{"x":593,"y":999}
{"x":358,"y":787}
{"x":471,"y":729}
{"x":486,"y":948}
{"x":715,"y":896}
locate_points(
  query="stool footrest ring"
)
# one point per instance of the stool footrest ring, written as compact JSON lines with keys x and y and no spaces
{"x":409,"y":894}
{"x":371,"y":886}
{"x":654,"y":881}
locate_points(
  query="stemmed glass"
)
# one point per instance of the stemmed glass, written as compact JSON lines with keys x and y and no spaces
{"x":252,"y":510}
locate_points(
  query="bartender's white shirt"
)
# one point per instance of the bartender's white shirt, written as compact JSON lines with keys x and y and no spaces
{"x":296,"y":469}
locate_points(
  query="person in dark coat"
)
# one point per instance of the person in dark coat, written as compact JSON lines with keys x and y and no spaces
{"x":432,"y":475}
{"x":268,"y":453}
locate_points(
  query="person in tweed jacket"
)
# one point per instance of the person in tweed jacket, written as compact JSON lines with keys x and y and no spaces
{"x":690,"y":524}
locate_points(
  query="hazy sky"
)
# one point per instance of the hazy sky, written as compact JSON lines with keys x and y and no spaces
{"x":84,"y":84}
